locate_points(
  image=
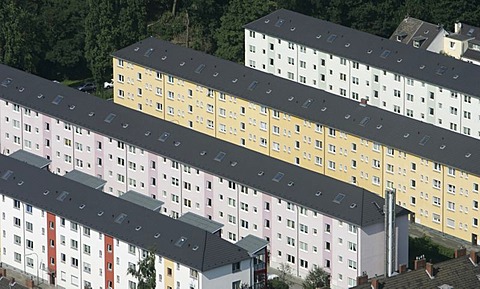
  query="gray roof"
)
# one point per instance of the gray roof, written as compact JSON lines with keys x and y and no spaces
{"x":472,"y":54}
{"x":324,"y":108}
{"x":411,"y":27}
{"x":31,"y":159}
{"x":185,"y":145}
{"x":103,"y":212}
{"x":142,"y":200}
{"x":252,"y":244}
{"x":458,"y":273}
{"x":470,"y":30}
{"x":307,"y":29}
{"x":459,"y":37}
{"x":201,"y":222}
{"x":86,"y":179}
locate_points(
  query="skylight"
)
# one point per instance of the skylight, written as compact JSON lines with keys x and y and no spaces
{"x":200,"y":68}
{"x":110,"y":117}
{"x":164,"y":137}
{"x":7,"y":175}
{"x":63,"y":195}
{"x":57,"y":99}
{"x":279,"y":22}
{"x":148,"y":52}
{"x":364,"y":121}
{"x":307,"y":103}
{"x":220,"y":156}
{"x":120,"y":218}
{"x":441,"y":70}
{"x":181,"y":241}
{"x":424,"y":140}
{"x":385,"y":53}
{"x":339,"y":198}
{"x":6,"y":82}
{"x":278,"y":177}
{"x":331,"y":38}
{"x":252,"y":85}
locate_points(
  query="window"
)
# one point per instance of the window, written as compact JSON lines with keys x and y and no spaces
{"x":352,"y":264}
{"x":74,"y":262}
{"x":436,"y":201}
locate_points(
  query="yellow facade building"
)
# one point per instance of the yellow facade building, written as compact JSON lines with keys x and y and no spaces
{"x":433,"y":170}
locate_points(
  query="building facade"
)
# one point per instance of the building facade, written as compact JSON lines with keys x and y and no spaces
{"x":434,"y":169}
{"x":247,"y":192}
{"x":62,"y":231}
{"x":399,"y":78}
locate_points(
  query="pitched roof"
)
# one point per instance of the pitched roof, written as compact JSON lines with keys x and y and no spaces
{"x":457,"y":273}
{"x":196,"y":149}
{"x":469,"y":30}
{"x":312,"y":104}
{"x":86,"y":179}
{"x":367,"y":48}
{"x":142,"y":200}
{"x":411,"y":27}
{"x":471,"y":54}
{"x":31,"y":159}
{"x":116,"y":217}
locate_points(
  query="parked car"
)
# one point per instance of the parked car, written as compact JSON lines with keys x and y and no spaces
{"x":108,"y":85}
{"x":87,"y":87}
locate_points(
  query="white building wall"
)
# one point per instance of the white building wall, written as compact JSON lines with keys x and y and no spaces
{"x":206,"y":195}
{"x":28,"y":239}
{"x":223,"y":277}
{"x":339,"y":72}
{"x":82,"y":262}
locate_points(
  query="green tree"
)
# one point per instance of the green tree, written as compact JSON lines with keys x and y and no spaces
{"x":63,"y":39}
{"x":229,"y":36}
{"x":18,"y":35}
{"x":285,"y":274}
{"x":111,"y":25}
{"x":316,"y":278}
{"x":146,"y":273}
{"x":132,"y":22}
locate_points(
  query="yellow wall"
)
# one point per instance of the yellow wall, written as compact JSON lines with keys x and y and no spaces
{"x":297,"y":138}
{"x":169,"y":281}
{"x":457,"y":50}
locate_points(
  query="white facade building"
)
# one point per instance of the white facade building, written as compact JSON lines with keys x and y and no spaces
{"x":413,"y":82}
{"x":309,"y":219}
{"x":83,"y":238}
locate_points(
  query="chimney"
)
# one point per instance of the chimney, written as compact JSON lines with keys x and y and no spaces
{"x":419,"y":263}
{"x":458,"y":27}
{"x":362,"y":279}
{"x":12,"y":282}
{"x":30,"y":284}
{"x":402,"y":268}
{"x":460,"y":252}
{"x":375,"y":283}
{"x":473,"y":258}
{"x":430,"y":270}
{"x":363,"y":101}
{"x":3,"y":272}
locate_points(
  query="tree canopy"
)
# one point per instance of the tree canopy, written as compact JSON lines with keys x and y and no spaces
{"x":73,"y":39}
{"x":146,"y":273}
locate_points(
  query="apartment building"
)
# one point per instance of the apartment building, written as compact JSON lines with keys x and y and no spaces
{"x":402,"y":79}
{"x":420,"y":34}
{"x":435,"y":169}
{"x":78,"y":237}
{"x":309,"y":219}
